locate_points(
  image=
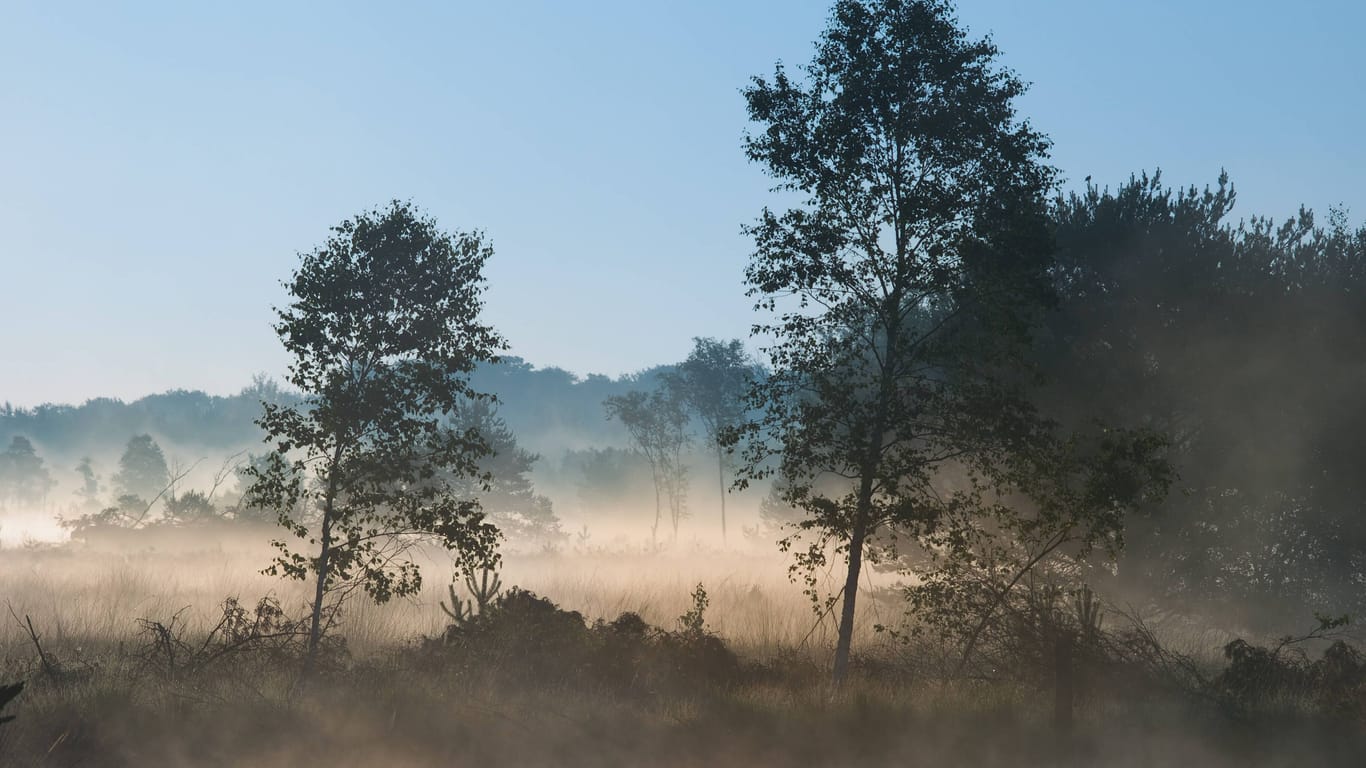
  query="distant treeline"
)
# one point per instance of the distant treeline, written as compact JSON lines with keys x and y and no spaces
{"x":546,"y":408}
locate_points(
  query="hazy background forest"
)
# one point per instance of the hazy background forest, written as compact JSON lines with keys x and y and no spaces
{"x":994,"y":466}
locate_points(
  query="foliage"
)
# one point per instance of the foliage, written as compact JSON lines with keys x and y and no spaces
{"x":658,"y":425}
{"x":1164,"y":302}
{"x":1259,"y":677}
{"x":525,"y":639}
{"x":1003,"y":554}
{"x":384,"y":330}
{"x":695,"y":619}
{"x":90,"y":487}
{"x":503,"y":485}
{"x":606,"y":478}
{"x":713,"y":382}
{"x":128,"y":511}
{"x":23,"y":477}
{"x":190,"y":508}
{"x":142,"y":469}
{"x":903,"y":285}
{"x":483,"y":592}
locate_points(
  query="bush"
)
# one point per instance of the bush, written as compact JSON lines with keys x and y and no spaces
{"x":522,"y":638}
{"x":1261,"y":678}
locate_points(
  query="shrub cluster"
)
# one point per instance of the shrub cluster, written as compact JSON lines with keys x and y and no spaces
{"x":524,"y":639}
{"x":1262,"y":678}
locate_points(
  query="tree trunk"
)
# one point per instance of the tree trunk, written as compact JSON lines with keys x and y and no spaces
{"x":315,"y":631}
{"x":654,"y":529}
{"x":857,"y":535}
{"x":863,"y":507}
{"x":721,"y":479}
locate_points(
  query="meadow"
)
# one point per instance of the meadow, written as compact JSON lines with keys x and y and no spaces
{"x":108,"y":690}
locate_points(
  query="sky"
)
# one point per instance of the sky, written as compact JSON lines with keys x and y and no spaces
{"x":162,"y":165}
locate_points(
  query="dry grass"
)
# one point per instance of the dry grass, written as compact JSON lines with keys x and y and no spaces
{"x":390,"y":708}
{"x":89,"y":598}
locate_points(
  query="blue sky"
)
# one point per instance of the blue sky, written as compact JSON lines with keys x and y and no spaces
{"x":161,"y":165}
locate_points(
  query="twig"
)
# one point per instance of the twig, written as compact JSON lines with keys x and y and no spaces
{"x":48,"y":668}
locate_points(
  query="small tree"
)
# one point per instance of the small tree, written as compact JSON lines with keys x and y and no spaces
{"x":90,"y":488}
{"x":713,"y":382}
{"x":658,"y":425}
{"x":191,"y":508}
{"x":384,"y":331}
{"x":23,"y":476}
{"x":1005,"y":550}
{"x":142,"y":469}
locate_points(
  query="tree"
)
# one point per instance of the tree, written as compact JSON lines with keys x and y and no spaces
{"x":1164,"y":303}
{"x":1005,"y":549}
{"x":607,"y":479}
{"x":23,"y":477}
{"x":142,"y":469}
{"x":191,"y":508}
{"x":903,"y":284}
{"x":713,"y":382}
{"x":89,"y":489}
{"x":384,"y":330}
{"x":503,"y":485}
{"x":658,"y":426}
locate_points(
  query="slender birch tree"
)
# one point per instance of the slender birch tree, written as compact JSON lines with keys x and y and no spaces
{"x":384,"y":330}
{"x":901,"y":284}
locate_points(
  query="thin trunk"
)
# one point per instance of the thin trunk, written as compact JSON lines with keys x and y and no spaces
{"x":721,"y":481}
{"x":315,"y":630}
{"x":863,"y":507}
{"x":319,"y":592}
{"x":857,"y":536}
{"x":675,"y":509}
{"x":654,"y":529}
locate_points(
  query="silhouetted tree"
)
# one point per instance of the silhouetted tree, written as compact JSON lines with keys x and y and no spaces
{"x":658,"y":425}
{"x":713,"y":382}
{"x":142,"y":469}
{"x":90,"y":488}
{"x":905,"y":280}
{"x":190,"y":508}
{"x":606,"y":478}
{"x":384,"y":330}
{"x":23,"y":477}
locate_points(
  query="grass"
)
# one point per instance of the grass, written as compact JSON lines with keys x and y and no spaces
{"x":392,"y":703}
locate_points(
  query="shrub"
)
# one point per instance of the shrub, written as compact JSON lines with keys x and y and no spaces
{"x":522,"y":638}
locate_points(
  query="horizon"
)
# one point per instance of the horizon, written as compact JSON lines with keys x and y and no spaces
{"x":287,"y":387}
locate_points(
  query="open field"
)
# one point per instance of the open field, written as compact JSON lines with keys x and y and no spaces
{"x":391,"y":700}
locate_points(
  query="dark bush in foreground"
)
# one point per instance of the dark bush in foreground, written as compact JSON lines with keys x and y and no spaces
{"x":526,"y":639}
